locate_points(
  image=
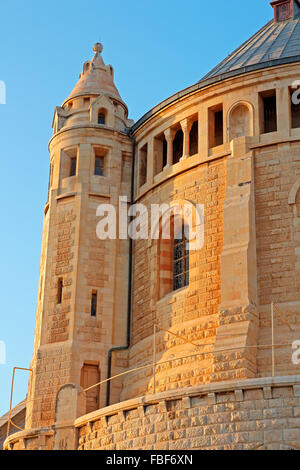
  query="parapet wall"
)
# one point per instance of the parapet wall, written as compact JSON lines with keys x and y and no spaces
{"x":252,"y":414}
{"x":246,"y":415}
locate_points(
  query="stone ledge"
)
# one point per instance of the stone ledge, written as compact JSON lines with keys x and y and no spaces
{"x":210,"y":389}
{"x":27,"y":434}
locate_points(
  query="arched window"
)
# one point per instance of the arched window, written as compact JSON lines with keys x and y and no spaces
{"x":173,"y":257}
{"x":181,"y":261}
{"x":101,"y":118}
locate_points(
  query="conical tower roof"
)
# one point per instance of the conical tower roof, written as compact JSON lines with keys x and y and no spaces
{"x":96,"y":78}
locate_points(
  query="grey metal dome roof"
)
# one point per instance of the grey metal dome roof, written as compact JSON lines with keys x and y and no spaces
{"x":278,"y":42}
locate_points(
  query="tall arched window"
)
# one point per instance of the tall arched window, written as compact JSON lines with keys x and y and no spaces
{"x":181,"y":261}
{"x":173,"y":257}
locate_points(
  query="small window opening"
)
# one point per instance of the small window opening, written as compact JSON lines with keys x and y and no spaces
{"x":194,"y":139}
{"x":216,"y":126}
{"x":59,"y":291}
{"x":86,"y":102}
{"x":94,"y":304}
{"x":73,"y":166}
{"x":99,"y":166}
{"x":101,"y":118}
{"x":219,"y":128}
{"x":178,"y":147}
{"x":269,"y":112}
{"x":160,"y":153}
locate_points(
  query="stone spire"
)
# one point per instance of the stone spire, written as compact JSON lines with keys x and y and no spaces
{"x":96,"y":77}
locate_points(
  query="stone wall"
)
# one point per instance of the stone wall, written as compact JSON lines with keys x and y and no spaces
{"x":245,"y":415}
{"x":191,"y":312}
{"x":277,"y":170}
{"x":35,"y":439}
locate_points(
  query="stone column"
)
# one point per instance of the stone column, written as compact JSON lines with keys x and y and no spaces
{"x":203,"y":132}
{"x":169,"y":135}
{"x":283,"y":100}
{"x":186,"y":128}
{"x":237,"y":335}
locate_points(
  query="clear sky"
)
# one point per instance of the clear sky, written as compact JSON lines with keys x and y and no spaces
{"x":157,"y":48}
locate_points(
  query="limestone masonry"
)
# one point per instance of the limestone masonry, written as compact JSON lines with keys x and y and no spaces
{"x":231,"y":144}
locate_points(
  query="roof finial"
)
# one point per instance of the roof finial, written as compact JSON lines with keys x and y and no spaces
{"x":98,"y":48}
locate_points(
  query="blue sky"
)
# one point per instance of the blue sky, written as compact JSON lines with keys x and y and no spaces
{"x":157,"y":48}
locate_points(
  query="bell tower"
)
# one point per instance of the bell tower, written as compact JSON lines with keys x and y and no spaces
{"x":81,"y":311}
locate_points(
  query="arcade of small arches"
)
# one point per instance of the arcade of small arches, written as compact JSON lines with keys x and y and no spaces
{"x":181,"y":140}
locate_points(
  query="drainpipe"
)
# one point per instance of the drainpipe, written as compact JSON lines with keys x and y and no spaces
{"x":126,"y":347}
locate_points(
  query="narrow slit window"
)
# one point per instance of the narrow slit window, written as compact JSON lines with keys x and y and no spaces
{"x":59,"y":291}
{"x":181,"y":262}
{"x":99,"y":166}
{"x":94,"y":304}
{"x":73,"y":166}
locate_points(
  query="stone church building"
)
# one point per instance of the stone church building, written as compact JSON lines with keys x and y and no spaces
{"x":226,"y":373}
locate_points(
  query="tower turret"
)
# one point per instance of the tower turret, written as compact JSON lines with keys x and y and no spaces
{"x":81,"y":311}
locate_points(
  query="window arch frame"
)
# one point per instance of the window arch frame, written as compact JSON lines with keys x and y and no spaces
{"x":250,"y":107}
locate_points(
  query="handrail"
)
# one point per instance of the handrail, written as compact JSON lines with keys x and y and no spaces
{"x":146,"y":366}
{"x":11,"y":397}
{"x":153,"y":364}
